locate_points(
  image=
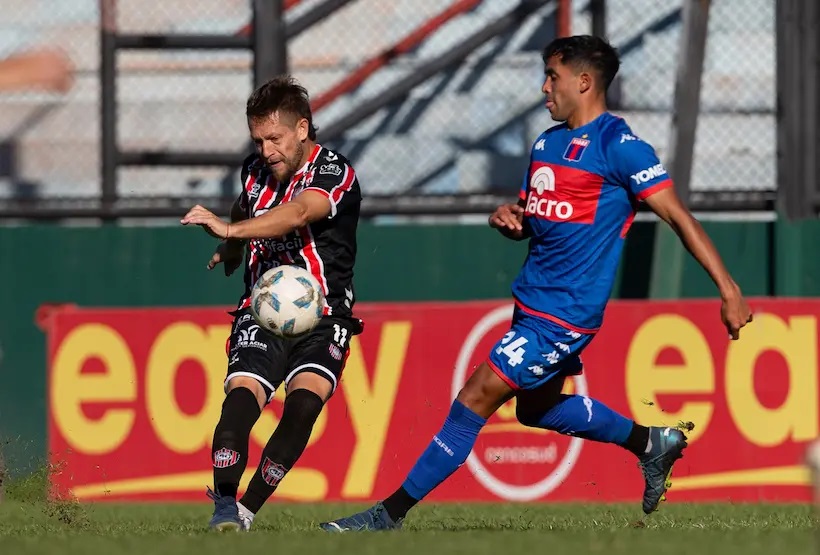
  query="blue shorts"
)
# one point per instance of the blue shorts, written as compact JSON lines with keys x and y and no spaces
{"x":536,"y":350}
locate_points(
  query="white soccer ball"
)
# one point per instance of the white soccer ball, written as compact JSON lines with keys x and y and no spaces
{"x":288,"y":301}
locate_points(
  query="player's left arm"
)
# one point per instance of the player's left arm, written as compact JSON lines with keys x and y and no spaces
{"x":648,"y":181}
{"x":668,"y":206}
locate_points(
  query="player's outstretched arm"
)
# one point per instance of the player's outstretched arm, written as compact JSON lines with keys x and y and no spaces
{"x":305,"y":208}
{"x":508,"y":220}
{"x":735,"y":312}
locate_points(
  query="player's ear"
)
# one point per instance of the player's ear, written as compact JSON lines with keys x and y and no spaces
{"x":584,"y":81}
{"x":302,"y":129}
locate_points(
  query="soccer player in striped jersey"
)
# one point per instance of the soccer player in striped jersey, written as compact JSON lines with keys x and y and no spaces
{"x":577,"y":201}
{"x":299,"y":205}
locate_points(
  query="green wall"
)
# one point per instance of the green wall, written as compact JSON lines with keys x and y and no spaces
{"x":112,"y":266}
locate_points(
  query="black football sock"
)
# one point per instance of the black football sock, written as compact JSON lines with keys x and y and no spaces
{"x":285,"y":446}
{"x":399,"y":503}
{"x":229,"y":451}
{"x":638,"y":440}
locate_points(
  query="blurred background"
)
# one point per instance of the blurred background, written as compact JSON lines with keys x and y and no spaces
{"x":116,"y":116}
{"x":428,"y":98}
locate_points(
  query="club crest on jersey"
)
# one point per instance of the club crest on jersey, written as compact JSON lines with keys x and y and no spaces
{"x":575,"y":148}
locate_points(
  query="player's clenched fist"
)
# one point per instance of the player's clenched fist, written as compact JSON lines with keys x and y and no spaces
{"x":735,"y":314}
{"x":507,"y":216}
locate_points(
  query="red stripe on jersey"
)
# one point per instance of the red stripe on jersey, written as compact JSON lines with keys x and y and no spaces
{"x":628,"y":224}
{"x":312,"y":259}
{"x":665,"y":184}
{"x":341,"y":189}
{"x":560,"y":193}
{"x":255,"y":262}
{"x":551,"y":318}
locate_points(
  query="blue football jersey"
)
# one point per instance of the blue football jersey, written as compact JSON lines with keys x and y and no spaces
{"x":580,"y":195}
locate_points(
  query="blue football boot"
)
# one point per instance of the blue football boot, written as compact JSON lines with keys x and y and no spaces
{"x":373,"y":519}
{"x":666,"y":445}
{"x":226,"y":514}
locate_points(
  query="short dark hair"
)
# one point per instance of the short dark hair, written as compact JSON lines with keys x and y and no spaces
{"x":283,"y":94}
{"x":584,"y":52}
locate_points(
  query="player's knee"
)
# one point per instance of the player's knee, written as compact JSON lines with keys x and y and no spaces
{"x":252,"y":385}
{"x":302,"y":407}
{"x":484,"y":392}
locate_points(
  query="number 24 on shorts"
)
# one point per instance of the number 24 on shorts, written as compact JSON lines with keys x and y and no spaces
{"x":514,"y":350}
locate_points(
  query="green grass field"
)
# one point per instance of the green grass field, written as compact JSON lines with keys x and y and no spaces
{"x":48,"y":528}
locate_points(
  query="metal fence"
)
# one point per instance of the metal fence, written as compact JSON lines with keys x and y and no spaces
{"x":427,"y":97}
{"x":735,"y":146}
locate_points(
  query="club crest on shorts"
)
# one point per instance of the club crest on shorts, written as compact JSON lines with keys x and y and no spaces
{"x":272,"y":472}
{"x":335,"y":351}
{"x":225,"y":458}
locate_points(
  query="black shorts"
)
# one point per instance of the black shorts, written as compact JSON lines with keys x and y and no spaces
{"x":255,"y":352}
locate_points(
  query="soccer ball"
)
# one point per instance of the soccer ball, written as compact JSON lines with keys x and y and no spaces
{"x":288,"y":301}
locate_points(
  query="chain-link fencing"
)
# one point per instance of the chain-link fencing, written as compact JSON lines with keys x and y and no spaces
{"x":736,"y":135}
{"x":424,"y":96}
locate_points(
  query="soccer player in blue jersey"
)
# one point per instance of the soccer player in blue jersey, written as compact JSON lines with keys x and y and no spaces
{"x":576,"y":204}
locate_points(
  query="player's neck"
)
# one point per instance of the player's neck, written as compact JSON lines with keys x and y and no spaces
{"x":308,"y":146}
{"x":585,"y":114}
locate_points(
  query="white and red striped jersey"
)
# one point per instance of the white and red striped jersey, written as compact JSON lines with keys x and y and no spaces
{"x":326,"y":248}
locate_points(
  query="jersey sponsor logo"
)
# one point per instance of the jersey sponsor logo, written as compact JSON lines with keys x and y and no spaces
{"x":575,"y":148}
{"x":648,"y":174}
{"x":289,"y":244}
{"x":543,"y":179}
{"x":568,"y":196}
{"x":504,"y":445}
{"x":246,"y":338}
{"x":549,"y":208}
{"x":330,"y":169}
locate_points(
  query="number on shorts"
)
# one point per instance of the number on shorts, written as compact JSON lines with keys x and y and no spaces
{"x":340,"y":335}
{"x":514,"y":351}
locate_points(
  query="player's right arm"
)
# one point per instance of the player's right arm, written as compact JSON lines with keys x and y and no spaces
{"x":508,"y":220}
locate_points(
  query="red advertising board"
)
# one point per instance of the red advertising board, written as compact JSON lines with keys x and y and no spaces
{"x":134,"y":395}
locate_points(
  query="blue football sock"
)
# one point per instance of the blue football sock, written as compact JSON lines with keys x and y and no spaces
{"x":447,"y":451}
{"x":584,"y":417}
